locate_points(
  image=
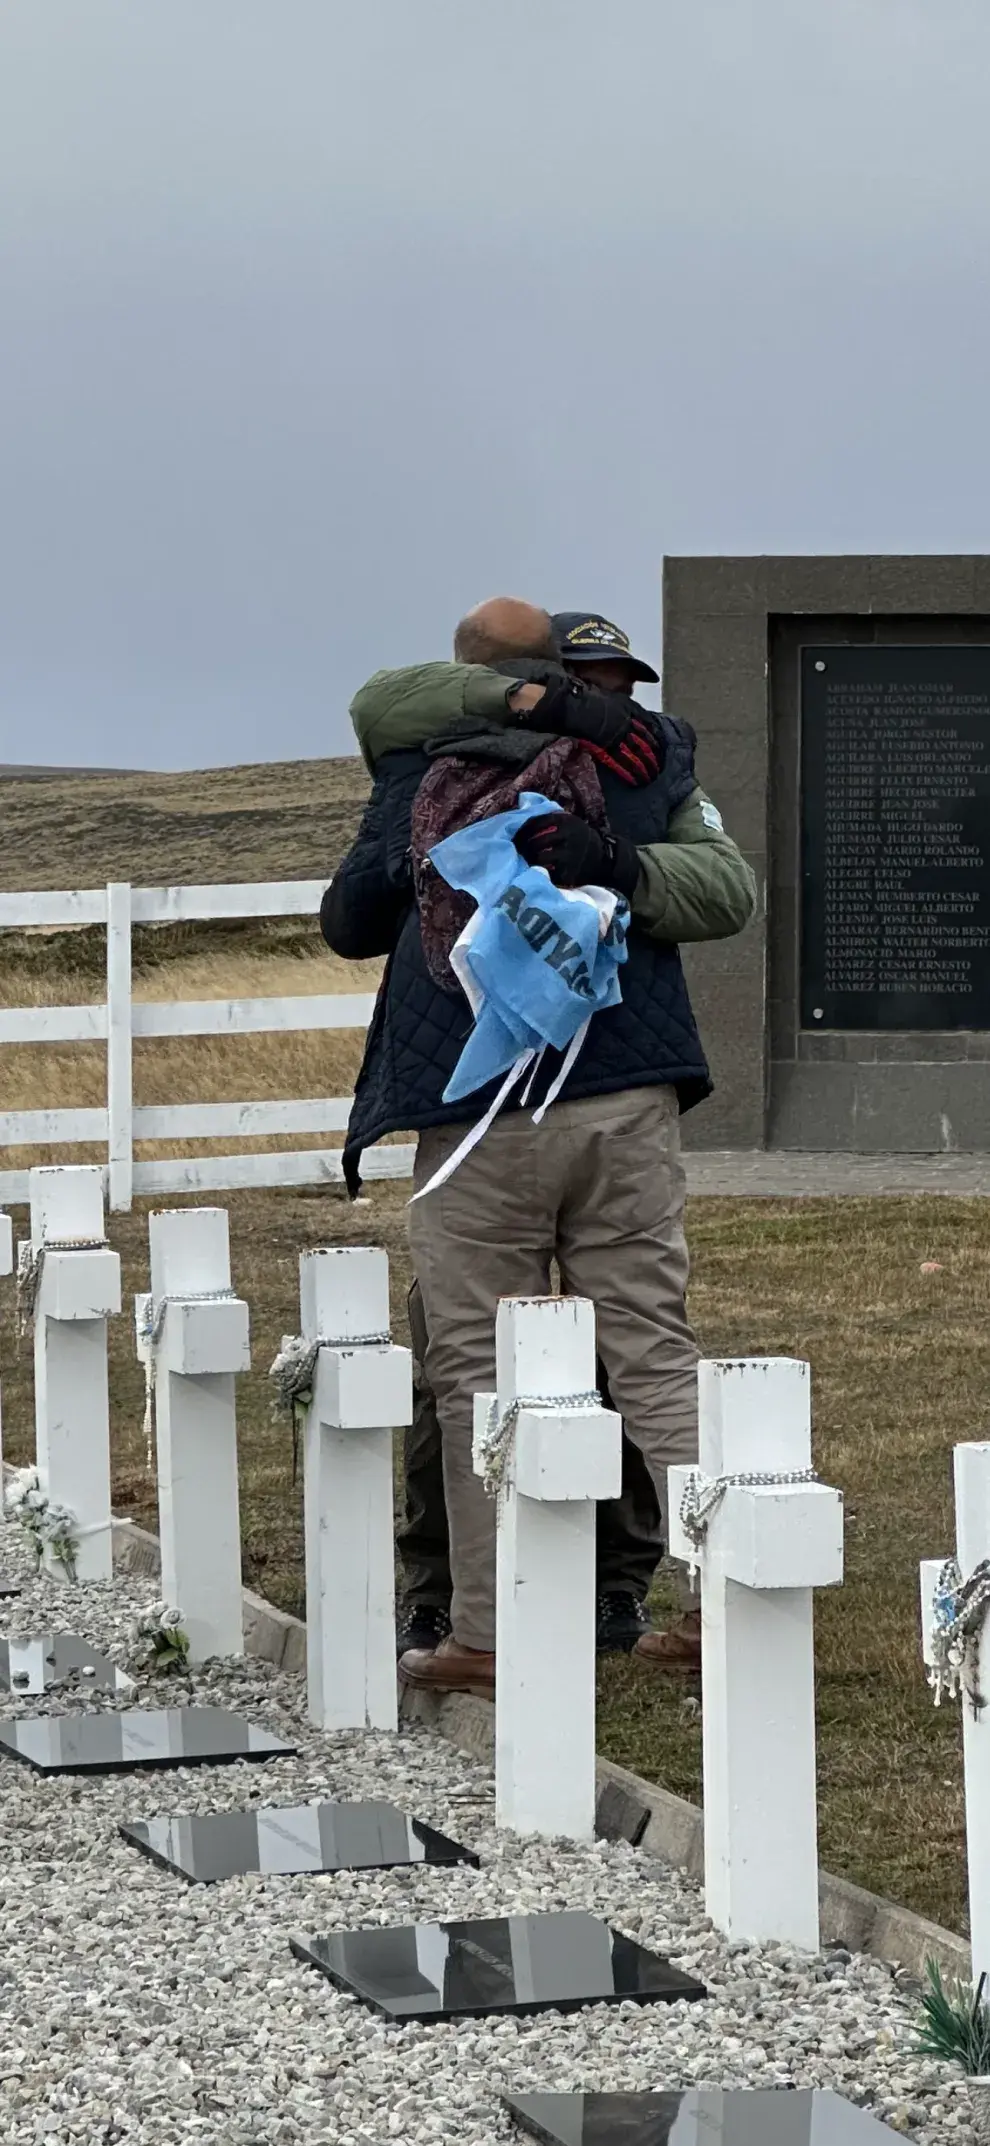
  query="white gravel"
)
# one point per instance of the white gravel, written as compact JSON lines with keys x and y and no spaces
{"x":134,"y":2006}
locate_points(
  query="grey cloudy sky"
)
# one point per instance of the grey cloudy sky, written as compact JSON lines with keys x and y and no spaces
{"x":322,"y":321}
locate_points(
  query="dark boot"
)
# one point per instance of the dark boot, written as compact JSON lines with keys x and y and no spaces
{"x":621,"y":1622}
{"x":421,"y":1627}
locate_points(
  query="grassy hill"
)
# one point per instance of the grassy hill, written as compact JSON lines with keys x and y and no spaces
{"x":284,"y":820}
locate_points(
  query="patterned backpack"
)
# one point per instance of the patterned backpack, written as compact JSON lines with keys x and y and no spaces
{"x":455,"y":793}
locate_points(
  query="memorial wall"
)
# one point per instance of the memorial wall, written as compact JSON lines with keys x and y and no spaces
{"x":843,"y":713}
{"x":895,"y":804}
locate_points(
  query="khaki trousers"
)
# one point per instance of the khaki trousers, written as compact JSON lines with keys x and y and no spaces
{"x":599,"y":1186}
{"x":628,"y":1542}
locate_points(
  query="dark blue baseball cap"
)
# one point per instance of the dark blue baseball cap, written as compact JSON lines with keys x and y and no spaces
{"x":586,"y":637}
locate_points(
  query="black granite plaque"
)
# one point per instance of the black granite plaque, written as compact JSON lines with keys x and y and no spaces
{"x":53,"y":1658}
{"x":895,"y":805}
{"x":515,"y":1963}
{"x":120,"y":1743}
{"x":312,"y":1836}
{"x":701,"y":2116}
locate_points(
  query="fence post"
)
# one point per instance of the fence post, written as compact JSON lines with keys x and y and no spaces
{"x":76,"y":1291}
{"x":120,"y":1089}
{"x":562,"y":1455}
{"x":971,"y":1470}
{"x":193,"y":1335}
{"x":362,"y":1390}
{"x":765,"y":1549}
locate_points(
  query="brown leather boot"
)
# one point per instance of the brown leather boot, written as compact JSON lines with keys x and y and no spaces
{"x":676,"y":1651}
{"x":450,"y":1667}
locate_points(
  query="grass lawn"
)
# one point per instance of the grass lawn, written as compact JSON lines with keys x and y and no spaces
{"x":900,"y":1371}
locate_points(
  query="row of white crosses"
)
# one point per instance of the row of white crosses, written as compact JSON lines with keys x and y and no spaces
{"x":192,"y":1334}
{"x":74,"y":1280}
{"x":766,"y":1544}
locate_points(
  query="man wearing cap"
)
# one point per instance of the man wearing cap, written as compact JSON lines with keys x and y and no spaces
{"x":599,"y":1187}
{"x":592,"y":648}
{"x":629,"y":1538}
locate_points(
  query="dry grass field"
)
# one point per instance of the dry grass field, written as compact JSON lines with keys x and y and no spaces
{"x":899,"y":1355}
{"x":282,"y":822}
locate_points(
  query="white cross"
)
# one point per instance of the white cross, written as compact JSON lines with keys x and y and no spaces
{"x":561,"y":1458}
{"x":971,"y":1469}
{"x":362,"y":1391}
{"x":765,"y":1550}
{"x":78,"y":1291}
{"x":6,"y":1267}
{"x":202,"y":1346}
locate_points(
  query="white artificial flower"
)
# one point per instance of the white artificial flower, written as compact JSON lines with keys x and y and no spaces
{"x":171,"y":1620}
{"x":22,"y":1481}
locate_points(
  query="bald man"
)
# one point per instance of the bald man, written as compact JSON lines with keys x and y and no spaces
{"x":398,"y":710}
{"x":502,"y":622}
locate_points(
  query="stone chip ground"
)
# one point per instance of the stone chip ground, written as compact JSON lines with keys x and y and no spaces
{"x":135,"y":2007}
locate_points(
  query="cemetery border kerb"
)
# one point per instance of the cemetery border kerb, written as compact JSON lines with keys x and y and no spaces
{"x":673,"y":1829}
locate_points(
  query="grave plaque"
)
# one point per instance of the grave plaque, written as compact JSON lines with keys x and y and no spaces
{"x":55,"y":1658}
{"x":113,"y":1742}
{"x":697,"y":2116}
{"x":895,"y":806}
{"x":314,"y":1836}
{"x":510,"y":1963}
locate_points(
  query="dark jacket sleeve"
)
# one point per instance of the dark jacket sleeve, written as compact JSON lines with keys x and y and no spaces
{"x":676,"y":738}
{"x":362,"y":911}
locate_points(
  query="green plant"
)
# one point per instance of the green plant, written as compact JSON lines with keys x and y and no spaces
{"x":956,"y":2022}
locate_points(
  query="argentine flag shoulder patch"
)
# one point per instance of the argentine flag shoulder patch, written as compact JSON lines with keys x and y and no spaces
{"x":712,"y":816}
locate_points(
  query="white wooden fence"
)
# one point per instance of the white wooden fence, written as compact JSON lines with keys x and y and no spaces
{"x":117,"y":1019}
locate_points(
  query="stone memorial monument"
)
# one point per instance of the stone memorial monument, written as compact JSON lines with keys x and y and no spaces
{"x":843,"y":715}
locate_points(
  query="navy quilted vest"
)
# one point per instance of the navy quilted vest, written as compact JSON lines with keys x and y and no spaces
{"x":418,"y":1031}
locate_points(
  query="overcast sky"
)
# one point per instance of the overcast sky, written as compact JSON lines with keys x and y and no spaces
{"x":321,"y":321}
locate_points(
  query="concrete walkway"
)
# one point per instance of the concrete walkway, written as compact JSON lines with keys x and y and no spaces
{"x":776,"y":1174}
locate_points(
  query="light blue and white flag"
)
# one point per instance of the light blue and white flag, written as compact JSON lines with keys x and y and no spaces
{"x":535,"y":962}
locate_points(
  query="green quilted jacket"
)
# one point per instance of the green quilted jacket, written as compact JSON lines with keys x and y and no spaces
{"x":694,"y":885}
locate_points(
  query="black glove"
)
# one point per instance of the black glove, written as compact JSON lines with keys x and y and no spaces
{"x":614,"y":730}
{"x":575,"y":856}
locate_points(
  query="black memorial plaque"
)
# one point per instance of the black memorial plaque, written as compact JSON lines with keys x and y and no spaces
{"x":58,"y":1658}
{"x":114,"y":1742}
{"x":697,"y":2116}
{"x":895,"y":833}
{"x":511,"y":1963}
{"x":311,"y":1836}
